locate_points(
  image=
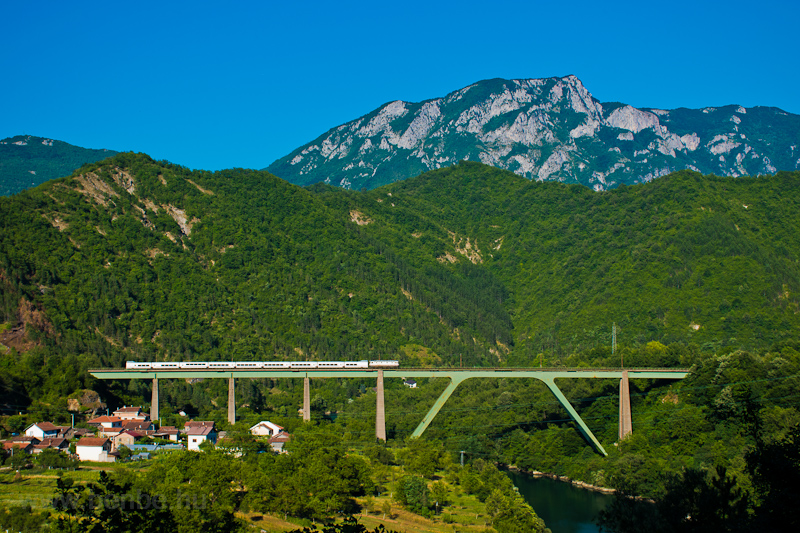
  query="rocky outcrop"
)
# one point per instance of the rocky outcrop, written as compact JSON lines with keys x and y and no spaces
{"x":544,"y":129}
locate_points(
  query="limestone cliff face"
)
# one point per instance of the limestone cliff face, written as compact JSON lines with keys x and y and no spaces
{"x":545,"y":129}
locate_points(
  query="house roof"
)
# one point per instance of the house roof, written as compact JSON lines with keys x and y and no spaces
{"x":128,"y":410}
{"x":24,"y":438}
{"x":46,"y":426}
{"x":104,"y":418}
{"x":195,"y":423}
{"x":200,"y":431}
{"x":137,"y":424}
{"x":268,"y":424}
{"x":280,"y":437}
{"x":79,"y":432}
{"x":21,"y":445}
{"x":168,"y":430}
{"x":92,"y":441}
{"x":55,"y":442}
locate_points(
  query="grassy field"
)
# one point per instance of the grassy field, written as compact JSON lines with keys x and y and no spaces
{"x":463,"y":514}
{"x":36,"y":487}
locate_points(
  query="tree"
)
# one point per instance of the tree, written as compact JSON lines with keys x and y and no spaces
{"x":439,"y":493}
{"x":511,"y":514}
{"x":774,"y":466}
{"x":51,"y":458}
{"x":19,"y":458}
{"x":694,"y":501}
{"x":412,"y":491}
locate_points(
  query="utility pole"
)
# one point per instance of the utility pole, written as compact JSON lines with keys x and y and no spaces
{"x":613,"y":338}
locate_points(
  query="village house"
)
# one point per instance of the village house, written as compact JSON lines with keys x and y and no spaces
{"x":277,"y":442}
{"x":43,"y":430}
{"x":142,"y":426}
{"x":199,"y":432}
{"x":94,"y":449}
{"x":125,"y":438}
{"x":265,"y":428}
{"x":17,"y":447}
{"x":167,"y":432}
{"x":77,"y":433}
{"x":132,"y":413}
{"x":19,"y":439}
{"x":107,"y":424}
{"x":57,"y":443}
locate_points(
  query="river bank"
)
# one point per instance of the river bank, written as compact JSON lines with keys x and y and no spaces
{"x":564,"y":479}
{"x":565,"y":506}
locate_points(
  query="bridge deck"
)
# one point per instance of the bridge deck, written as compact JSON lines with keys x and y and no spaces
{"x":462,"y":373}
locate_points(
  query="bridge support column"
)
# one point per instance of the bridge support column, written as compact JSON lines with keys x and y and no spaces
{"x":231,"y":402}
{"x":625,"y":421}
{"x":306,"y":399}
{"x":154,"y":401}
{"x":587,"y":433}
{"x":455,"y":381}
{"x":380,"y":413}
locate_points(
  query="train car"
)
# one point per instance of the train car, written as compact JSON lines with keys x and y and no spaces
{"x":194,"y":364}
{"x":166,"y":365}
{"x":221,"y":364}
{"x":248,"y":364}
{"x":135,"y":364}
{"x":330,"y":364}
{"x":270,"y":365}
{"x":384,"y":364}
{"x":276,"y":364}
{"x":303,"y":364}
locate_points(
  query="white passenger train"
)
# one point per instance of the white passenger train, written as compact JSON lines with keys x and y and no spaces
{"x":267,"y":365}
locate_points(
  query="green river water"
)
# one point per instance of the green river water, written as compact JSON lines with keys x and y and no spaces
{"x":563,"y":507}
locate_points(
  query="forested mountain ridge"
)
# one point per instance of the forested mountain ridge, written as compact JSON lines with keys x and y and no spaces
{"x":162,"y":262}
{"x":549,"y":129}
{"x":136,"y":259}
{"x":27,"y":161}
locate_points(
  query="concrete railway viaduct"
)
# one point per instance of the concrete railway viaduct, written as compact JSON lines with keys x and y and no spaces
{"x":456,"y":377}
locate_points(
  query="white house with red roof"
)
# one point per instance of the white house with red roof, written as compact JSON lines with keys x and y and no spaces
{"x":94,"y":449}
{"x":277,"y":442}
{"x":44,"y":430}
{"x":265,"y":428}
{"x":105,"y":422}
{"x":132,"y":413}
{"x":199,"y":432}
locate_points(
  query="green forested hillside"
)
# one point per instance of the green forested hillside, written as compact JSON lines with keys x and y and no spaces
{"x":133,"y":259}
{"x":27,"y":161}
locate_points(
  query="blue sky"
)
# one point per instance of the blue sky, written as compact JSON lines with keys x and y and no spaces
{"x":214,"y":85}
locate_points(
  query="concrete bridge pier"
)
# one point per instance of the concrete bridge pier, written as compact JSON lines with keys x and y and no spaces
{"x":154,"y":401}
{"x":306,"y":399}
{"x":231,"y":402}
{"x":625,"y":421}
{"x":380,"y":413}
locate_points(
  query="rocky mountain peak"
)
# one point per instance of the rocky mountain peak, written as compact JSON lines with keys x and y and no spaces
{"x":544,"y":129}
